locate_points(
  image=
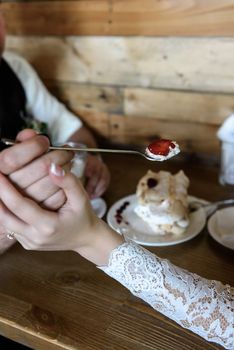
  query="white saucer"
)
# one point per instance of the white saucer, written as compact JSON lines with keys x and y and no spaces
{"x":99,"y":206}
{"x":221,"y":227}
{"x":135,"y":229}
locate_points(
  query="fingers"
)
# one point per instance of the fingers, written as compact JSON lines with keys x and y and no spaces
{"x":102,"y":184}
{"x":55,"y":201}
{"x":41,"y":189}
{"x":25,"y":135}
{"x":91,"y":185}
{"x":44,"y":188}
{"x":33,"y":177}
{"x":47,"y":192}
{"x":9,"y":221}
{"x":23,"y":208}
{"x":98,"y":177}
{"x":15,"y":157}
{"x":93,"y":173}
{"x":39,"y":168}
{"x":74,"y":191}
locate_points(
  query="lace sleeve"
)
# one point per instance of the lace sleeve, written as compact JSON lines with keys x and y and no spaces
{"x":205,"y":307}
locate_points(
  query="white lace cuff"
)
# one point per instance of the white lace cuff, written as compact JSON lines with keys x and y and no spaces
{"x":203,"y":306}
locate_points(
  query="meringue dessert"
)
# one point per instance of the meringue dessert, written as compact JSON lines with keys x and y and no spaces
{"x":162,"y":149}
{"x":162,"y":202}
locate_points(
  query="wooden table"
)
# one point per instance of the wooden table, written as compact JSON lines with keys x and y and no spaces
{"x":57,"y":300}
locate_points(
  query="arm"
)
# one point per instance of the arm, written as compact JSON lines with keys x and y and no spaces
{"x":83,"y":135}
{"x":62,"y":124}
{"x":205,"y":307}
{"x":41,"y":104}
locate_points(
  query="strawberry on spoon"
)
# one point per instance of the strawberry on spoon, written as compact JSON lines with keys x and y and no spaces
{"x":162,"y":149}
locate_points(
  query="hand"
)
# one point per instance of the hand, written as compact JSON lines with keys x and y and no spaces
{"x":73,"y":227}
{"x":30,"y":173}
{"x":98,"y":176}
{"x":13,"y":159}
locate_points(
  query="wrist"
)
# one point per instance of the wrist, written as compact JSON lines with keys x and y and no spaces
{"x":101,"y":243}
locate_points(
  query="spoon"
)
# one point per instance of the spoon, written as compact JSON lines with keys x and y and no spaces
{"x":211,"y":206}
{"x":158,"y":150}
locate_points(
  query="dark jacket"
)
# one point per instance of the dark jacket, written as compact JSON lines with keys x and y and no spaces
{"x":12,"y":102}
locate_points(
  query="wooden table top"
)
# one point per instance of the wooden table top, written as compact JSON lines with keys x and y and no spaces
{"x":58,"y":300}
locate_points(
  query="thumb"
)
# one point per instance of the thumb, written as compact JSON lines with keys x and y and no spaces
{"x":71,"y":186}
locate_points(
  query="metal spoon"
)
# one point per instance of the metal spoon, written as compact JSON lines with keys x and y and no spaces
{"x":9,"y":142}
{"x":210,"y":208}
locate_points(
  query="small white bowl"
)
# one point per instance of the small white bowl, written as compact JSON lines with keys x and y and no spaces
{"x":221,"y":227}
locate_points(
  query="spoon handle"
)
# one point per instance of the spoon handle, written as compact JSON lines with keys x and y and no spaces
{"x":87,"y":149}
{"x":8,"y":142}
{"x":211,"y":206}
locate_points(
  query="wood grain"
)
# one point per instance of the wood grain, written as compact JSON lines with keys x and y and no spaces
{"x":168,"y":105}
{"x":192,"y":137}
{"x":57,"y":300}
{"x":205,"y":108}
{"x":189,"y":64}
{"x":99,"y":98}
{"x":122,"y":17}
{"x":57,"y":17}
{"x":190,"y":118}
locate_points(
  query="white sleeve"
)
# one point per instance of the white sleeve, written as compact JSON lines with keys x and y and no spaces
{"x":203,"y":306}
{"x":41,"y":104}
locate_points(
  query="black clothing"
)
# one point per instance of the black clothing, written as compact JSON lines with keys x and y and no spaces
{"x":12,"y":102}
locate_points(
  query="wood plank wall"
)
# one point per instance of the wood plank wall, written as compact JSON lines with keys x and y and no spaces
{"x":134,"y":70}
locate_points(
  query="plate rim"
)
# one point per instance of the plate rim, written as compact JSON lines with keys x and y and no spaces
{"x":158,"y":244}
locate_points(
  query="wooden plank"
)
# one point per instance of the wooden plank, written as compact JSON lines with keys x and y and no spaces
{"x":192,"y":137}
{"x":198,"y":64}
{"x":121,"y":17}
{"x":173,"y":18}
{"x":57,"y":17}
{"x":98,"y":122}
{"x":178,"y":105}
{"x":88,"y":97}
{"x":207,"y":108}
{"x":42,"y":316}
{"x":161,"y":333}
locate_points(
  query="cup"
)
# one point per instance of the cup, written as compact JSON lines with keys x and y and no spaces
{"x":226,"y":176}
{"x":79,"y":161}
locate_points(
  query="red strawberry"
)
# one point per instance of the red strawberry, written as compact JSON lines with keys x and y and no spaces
{"x":161,"y":147}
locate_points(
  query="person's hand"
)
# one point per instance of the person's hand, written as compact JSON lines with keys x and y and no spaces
{"x":27,"y":163}
{"x":73,"y":227}
{"x":98,"y":176}
{"x":30,"y":174}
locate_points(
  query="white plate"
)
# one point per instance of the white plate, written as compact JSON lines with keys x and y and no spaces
{"x":99,"y":206}
{"x":136,"y":229}
{"x":221,"y":227}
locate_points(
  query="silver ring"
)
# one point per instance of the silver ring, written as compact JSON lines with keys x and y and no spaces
{"x":11,"y":235}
